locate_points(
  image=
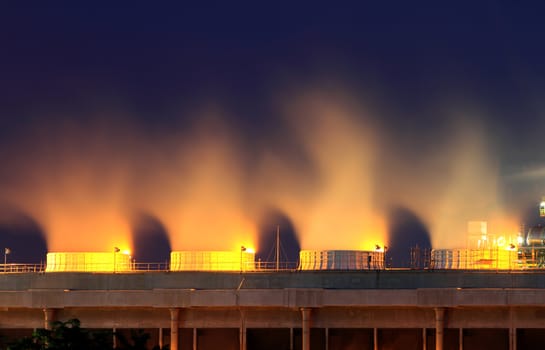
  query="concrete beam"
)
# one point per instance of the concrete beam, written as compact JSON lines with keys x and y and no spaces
{"x":273,"y":298}
{"x":329,"y":280}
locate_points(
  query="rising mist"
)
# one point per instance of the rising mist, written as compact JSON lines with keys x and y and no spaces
{"x":336,"y":171}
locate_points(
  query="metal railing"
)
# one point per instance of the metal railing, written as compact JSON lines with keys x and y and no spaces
{"x":21,"y":268}
{"x":267,"y":266}
{"x":257,"y":267}
{"x":162,"y":266}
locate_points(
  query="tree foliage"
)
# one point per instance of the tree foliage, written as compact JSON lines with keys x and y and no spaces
{"x":65,"y":336}
{"x":139,"y":341}
{"x":70,"y":336}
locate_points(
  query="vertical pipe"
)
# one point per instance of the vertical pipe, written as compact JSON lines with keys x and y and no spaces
{"x":114,"y":338}
{"x":306,"y":328}
{"x":375,"y":338}
{"x":424,"y":339}
{"x":439,"y":327}
{"x":461,"y":339}
{"x":277,"y":247}
{"x":512,"y":338}
{"x":194,"y":338}
{"x":161,"y":338}
{"x":242,"y":332}
{"x":174,"y":325}
{"x":291,"y":338}
{"x":49,"y":316}
{"x":512,"y":330}
{"x":327,"y":339}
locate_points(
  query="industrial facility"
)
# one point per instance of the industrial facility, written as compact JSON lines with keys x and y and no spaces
{"x":487,"y":295}
{"x":484,"y":251}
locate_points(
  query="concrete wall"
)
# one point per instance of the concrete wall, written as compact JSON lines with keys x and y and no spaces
{"x":373,"y":279}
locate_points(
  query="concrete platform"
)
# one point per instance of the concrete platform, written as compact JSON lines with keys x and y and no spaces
{"x":421,"y":300}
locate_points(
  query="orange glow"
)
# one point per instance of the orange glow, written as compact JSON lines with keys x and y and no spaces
{"x":74,"y":230}
{"x":201,"y":195}
{"x":463,"y":186}
{"x":332,"y":170}
{"x":506,"y":227}
{"x":215,"y":229}
{"x":342,"y":231}
{"x":74,"y":184}
{"x":335,"y":205}
{"x":81,"y":220}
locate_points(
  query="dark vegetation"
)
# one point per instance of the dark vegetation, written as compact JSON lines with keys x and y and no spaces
{"x":70,"y":336}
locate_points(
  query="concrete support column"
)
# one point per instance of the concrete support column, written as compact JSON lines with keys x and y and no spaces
{"x":306,"y":313}
{"x":424,"y":339}
{"x":291,"y":338}
{"x":174,"y":327}
{"x":512,"y":338}
{"x":242,"y":331}
{"x":439,"y":327}
{"x":512,"y":330}
{"x":194,"y":338}
{"x":327,"y":339}
{"x":160,"y":338}
{"x":114,"y":338}
{"x":375,"y":338}
{"x":49,"y":316}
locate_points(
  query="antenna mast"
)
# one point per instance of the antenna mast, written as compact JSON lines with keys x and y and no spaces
{"x":277,"y":247}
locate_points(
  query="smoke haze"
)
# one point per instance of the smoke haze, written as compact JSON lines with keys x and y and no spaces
{"x":336,"y":169}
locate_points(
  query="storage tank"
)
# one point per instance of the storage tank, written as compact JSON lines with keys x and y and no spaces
{"x":212,"y":260}
{"x":536,"y":236}
{"x":88,"y":262}
{"x":341,"y":260}
{"x":474,"y":259}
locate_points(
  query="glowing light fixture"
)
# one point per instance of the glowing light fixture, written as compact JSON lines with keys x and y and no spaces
{"x":379,"y":248}
{"x":7,"y":251}
{"x":242,"y":250}
{"x":116,"y":250}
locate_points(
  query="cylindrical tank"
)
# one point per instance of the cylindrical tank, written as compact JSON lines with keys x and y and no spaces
{"x":475,"y":259}
{"x":88,"y":262}
{"x":212,"y":261}
{"x":536,"y":236}
{"x":340,"y":260}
